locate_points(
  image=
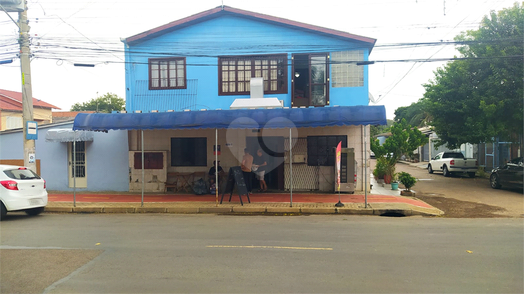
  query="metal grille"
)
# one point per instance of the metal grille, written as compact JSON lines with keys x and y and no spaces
{"x":79,"y":167}
{"x":305,"y":178}
{"x":163,"y":100}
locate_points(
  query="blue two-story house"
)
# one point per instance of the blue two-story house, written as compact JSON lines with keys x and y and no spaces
{"x":189,"y":73}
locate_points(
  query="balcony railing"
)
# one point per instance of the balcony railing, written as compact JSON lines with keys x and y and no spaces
{"x":164,"y":100}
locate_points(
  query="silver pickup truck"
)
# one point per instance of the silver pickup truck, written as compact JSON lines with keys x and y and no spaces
{"x":452,"y":162}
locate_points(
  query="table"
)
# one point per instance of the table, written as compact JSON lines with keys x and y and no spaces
{"x":182,"y":181}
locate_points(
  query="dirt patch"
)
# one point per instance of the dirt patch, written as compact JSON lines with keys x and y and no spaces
{"x":33,"y":270}
{"x":454,"y":208}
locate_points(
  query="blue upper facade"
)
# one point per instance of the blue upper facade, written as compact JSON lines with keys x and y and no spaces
{"x":205,"y":61}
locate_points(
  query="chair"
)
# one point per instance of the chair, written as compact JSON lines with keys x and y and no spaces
{"x":173,"y":184}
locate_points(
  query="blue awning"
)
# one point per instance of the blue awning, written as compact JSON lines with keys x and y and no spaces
{"x":236,"y":119}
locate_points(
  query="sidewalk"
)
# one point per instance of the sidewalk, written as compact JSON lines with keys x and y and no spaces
{"x":380,"y":201}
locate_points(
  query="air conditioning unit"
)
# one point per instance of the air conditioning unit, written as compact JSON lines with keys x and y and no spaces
{"x":348,"y":171}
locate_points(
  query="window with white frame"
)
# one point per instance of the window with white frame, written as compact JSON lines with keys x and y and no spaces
{"x":344,"y":69}
{"x":13,"y":122}
{"x":167,"y":73}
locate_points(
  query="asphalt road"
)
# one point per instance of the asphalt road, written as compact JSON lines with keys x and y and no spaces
{"x":166,"y":253}
{"x":461,"y":196}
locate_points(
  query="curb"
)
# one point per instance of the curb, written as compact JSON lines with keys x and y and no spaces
{"x":283,"y":209}
{"x":249,"y":210}
{"x":362,"y":211}
{"x":150,"y":210}
{"x":182,"y":210}
{"x":118,"y":209}
{"x":308,"y":210}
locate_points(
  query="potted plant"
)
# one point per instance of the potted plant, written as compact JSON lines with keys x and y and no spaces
{"x":394,"y":182}
{"x":380,"y":170}
{"x":389,"y":172}
{"x":408,"y":181}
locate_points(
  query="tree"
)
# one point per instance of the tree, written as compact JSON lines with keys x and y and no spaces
{"x":404,"y":139}
{"x":106,"y":103}
{"x":416,"y":114}
{"x":479,"y":98}
{"x":379,"y":129}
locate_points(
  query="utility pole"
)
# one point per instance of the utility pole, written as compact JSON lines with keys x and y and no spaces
{"x":27,"y":91}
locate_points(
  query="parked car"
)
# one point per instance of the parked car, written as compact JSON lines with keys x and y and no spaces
{"x":449,"y":162}
{"x":21,"y":190}
{"x":509,"y":175}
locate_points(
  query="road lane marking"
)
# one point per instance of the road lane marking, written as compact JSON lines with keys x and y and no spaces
{"x":268,"y":247}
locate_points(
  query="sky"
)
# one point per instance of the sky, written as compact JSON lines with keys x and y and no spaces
{"x":65,"y":32}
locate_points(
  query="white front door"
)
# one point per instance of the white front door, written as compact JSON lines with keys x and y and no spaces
{"x":80,"y":165}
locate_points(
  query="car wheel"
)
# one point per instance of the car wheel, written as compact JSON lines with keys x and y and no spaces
{"x":35,"y":211}
{"x":445,"y":171}
{"x":430,"y":169}
{"x":471,"y":174}
{"x":494,"y":181}
{"x":3,"y":211}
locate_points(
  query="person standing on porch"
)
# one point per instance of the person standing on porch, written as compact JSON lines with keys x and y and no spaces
{"x":247,"y":163}
{"x":260,"y":163}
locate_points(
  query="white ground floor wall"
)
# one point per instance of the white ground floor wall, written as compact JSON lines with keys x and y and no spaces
{"x":232,"y":143}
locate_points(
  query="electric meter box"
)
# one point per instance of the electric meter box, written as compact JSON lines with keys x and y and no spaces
{"x":348,"y":171}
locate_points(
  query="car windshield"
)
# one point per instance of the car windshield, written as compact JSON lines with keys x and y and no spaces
{"x":21,"y":174}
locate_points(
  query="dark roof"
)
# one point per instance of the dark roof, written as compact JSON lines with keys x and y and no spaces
{"x":225,"y":10}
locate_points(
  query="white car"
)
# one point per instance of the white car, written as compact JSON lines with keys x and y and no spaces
{"x":451,"y":162}
{"x":21,"y":190}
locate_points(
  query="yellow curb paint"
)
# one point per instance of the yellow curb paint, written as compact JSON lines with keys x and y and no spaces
{"x":268,"y":247}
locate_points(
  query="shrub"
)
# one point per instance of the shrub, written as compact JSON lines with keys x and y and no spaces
{"x":407,"y":180}
{"x":380,"y":168}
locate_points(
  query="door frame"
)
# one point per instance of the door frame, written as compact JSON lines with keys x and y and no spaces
{"x":81,"y":182}
{"x":327,"y":77}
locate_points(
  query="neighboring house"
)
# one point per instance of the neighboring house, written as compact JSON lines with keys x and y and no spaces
{"x":11,"y":110}
{"x":60,"y":116}
{"x":488,"y":155}
{"x":312,"y":75}
{"x":101,"y":158}
{"x":498,"y":153}
{"x":430,"y":149}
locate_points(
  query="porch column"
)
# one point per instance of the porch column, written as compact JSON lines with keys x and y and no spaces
{"x":217,"y":185}
{"x":143,"y":173}
{"x":365,"y":170}
{"x":74,"y":169}
{"x":290,"y":169}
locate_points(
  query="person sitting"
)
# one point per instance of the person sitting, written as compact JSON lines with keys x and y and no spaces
{"x":212,"y":175}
